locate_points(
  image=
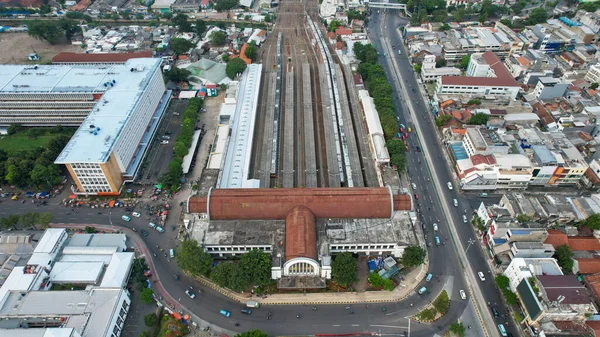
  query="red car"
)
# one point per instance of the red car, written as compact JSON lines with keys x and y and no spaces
{"x":416,"y":196}
{"x":401,"y":130}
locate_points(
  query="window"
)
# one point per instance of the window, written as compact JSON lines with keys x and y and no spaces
{"x":125,"y":305}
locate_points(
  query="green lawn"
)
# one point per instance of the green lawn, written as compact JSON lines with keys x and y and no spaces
{"x":22,"y":142}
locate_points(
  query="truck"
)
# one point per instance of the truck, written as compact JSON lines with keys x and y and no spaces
{"x":252,"y":304}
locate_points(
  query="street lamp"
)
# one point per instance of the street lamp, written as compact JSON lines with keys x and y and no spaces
{"x":471,"y":241}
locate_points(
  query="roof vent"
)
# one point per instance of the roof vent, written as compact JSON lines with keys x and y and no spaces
{"x":92,"y":126}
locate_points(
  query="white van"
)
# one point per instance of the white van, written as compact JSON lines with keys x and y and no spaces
{"x":252,"y":304}
{"x":172,"y":253}
{"x":455,"y":203}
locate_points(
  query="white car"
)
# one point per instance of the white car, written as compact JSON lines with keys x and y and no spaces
{"x":450,"y":186}
{"x":414,"y":186}
{"x":136,"y":214}
{"x":463,"y":295}
{"x":465,"y":219}
{"x":455,"y":203}
{"x":190,"y":294}
{"x":481,"y":276}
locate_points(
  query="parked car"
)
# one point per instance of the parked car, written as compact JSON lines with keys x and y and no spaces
{"x":152,"y":225}
{"x":136,"y":214}
{"x":429,"y":277}
{"x":160,"y":229}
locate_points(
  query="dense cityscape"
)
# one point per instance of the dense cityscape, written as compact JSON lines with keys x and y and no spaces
{"x":255,"y":168}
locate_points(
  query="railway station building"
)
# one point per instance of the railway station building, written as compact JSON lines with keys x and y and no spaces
{"x":302,"y":228}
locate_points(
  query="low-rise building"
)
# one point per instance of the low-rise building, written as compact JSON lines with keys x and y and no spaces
{"x":525,"y":268}
{"x":430,"y":73}
{"x":497,"y":82}
{"x":549,"y":88}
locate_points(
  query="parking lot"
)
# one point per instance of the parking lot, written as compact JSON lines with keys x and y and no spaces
{"x":159,"y":154}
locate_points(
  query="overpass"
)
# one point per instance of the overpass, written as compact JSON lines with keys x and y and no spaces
{"x":388,"y":5}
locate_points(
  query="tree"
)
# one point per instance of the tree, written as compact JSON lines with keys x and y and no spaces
{"x":440,"y":15}
{"x":388,"y":285}
{"x":251,"y":51}
{"x":150,"y":320}
{"x":395,"y":146}
{"x":167,"y":15}
{"x":45,"y":218}
{"x":221,"y":274}
{"x":441,"y":63}
{"x":442,"y":120}
{"x":479,"y":119}
{"x":180,"y":149}
{"x":427,"y":314}
{"x":398,"y":160}
{"x":519,"y":6}
{"x":344,"y":269}
{"x":145,"y":333}
{"x":13,"y":129}
{"x":45,"y":175}
{"x":413,"y":256}
{"x":226,"y":5}
{"x":218,"y":38}
{"x":592,"y":222}
{"x":442,"y":303}
{"x":29,"y":219}
{"x":253,"y":333}
{"x":511,"y":298}
{"x":594,"y":85}
{"x":257,"y":265}
{"x":146,"y":296}
{"x":418,"y":68}
{"x":181,"y":21}
{"x":334,"y":24}
{"x":459,"y":14}
{"x":522,"y":218}
{"x":200,"y":27}
{"x":564,"y":257}
{"x":376,"y":280}
{"x":180,"y":46}
{"x":444,"y":27}
{"x":10,"y":221}
{"x":90,"y":229}
{"x":50,"y":31}
{"x":458,"y":329}
{"x":235,"y":66}
{"x":474,"y":102}
{"x":506,"y":22}
{"x":192,"y":259}
{"x":537,"y":15}
{"x":177,"y":74}
{"x":464,"y":62}
{"x":502,"y":281}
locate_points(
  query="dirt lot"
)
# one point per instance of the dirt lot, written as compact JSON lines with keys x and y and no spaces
{"x":17,"y":46}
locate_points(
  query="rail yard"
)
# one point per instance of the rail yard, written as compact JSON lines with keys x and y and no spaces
{"x":310,"y":129}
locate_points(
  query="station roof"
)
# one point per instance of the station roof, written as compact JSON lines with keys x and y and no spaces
{"x":98,"y":240}
{"x":95,"y":138}
{"x":76,"y":272}
{"x":66,"y":57}
{"x":117,"y":271}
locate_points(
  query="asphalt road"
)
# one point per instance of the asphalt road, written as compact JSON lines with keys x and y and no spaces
{"x":385,"y":24}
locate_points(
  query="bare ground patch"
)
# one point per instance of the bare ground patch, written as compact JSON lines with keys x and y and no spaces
{"x":18,"y":46}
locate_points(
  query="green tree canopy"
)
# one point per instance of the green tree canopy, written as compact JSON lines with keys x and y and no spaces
{"x":192,"y":259}
{"x":442,"y":120}
{"x":218,"y":38}
{"x":502,"y":281}
{"x":251,"y":51}
{"x":181,"y":21}
{"x":180,"y":149}
{"x":44,"y":219}
{"x":200,"y":27}
{"x":398,"y":160}
{"x":413,"y":256}
{"x":10,"y":221}
{"x":29,"y":219}
{"x":511,"y":298}
{"x":442,"y":303}
{"x":180,"y":46}
{"x":235,"y":66}
{"x":458,"y":329}
{"x":593,"y":221}
{"x":464,"y":61}
{"x":594,"y":85}
{"x":479,"y":119}
{"x":564,"y":257}
{"x":376,"y":280}
{"x":146,"y":295}
{"x":226,"y":5}
{"x":47,"y":30}
{"x":344,"y":269}
{"x":177,"y":74}
{"x":537,"y":15}
{"x":459,"y":14}
{"x":145,"y":333}
{"x":253,"y":333}
{"x":334,"y":24}
{"x":46,"y":175}
{"x":395,"y":146}
{"x":257,"y":265}
{"x":151,"y":319}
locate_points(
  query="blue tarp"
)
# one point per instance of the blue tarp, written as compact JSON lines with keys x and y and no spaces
{"x":372,"y":266}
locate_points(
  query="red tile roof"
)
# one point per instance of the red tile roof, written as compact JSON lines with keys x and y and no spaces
{"x":343,"y":31}
{"x":481,"y":159}
{"x":503,"y":77}
{"x":589,"y":266}
{"x":358,"y":79}
{"x":331,"y":35}
{"x":65,"y":57}
{"x":583,"y":243}
{"x":595,"y":326}
{"x":556,"y":238}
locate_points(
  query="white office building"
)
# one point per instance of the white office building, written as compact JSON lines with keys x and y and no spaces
{"x":109,"y":146}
